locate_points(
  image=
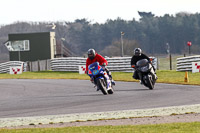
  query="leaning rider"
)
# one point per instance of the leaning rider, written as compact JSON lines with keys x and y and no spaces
{"x":138,"y":55}
{"x":95,"y":57}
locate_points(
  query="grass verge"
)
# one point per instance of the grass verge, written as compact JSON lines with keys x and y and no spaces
{"x":193,"y":127}
{"x":164,"y":76}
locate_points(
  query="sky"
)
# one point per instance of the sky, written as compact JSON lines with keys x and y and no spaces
{"x":99,"y":11}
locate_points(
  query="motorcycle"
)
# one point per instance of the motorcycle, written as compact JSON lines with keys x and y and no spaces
{"x":101,"y":78}
{"x":146,"y":73}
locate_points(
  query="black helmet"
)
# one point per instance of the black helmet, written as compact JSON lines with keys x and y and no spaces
{"x":91,"y":54}
{"x":137,"y":51}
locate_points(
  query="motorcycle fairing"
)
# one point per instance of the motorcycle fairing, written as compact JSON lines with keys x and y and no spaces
{"x":94,"y":69}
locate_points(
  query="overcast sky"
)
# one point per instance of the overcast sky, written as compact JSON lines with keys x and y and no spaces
{"x":93,"y":10}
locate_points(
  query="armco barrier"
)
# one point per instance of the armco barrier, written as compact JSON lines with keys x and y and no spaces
{"x":67,"y":63}
{"x":114,"y":64}
{"x":185,"y":63}
{"x":5,"y":67}
{"x":72,"y":63}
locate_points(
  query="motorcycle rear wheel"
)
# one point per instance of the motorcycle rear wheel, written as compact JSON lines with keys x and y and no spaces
{"x":102,"y":86}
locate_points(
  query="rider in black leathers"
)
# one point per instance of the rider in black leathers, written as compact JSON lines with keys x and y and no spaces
{"x":138,"y":55}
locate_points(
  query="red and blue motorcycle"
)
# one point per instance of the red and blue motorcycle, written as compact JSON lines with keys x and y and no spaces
{"x":101,"y":78}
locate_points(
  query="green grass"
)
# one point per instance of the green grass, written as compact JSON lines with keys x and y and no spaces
{"x":174,"y":77}
{"x":193,"y":127}
{"x":45,"y":75}
{"x":164,"y":76}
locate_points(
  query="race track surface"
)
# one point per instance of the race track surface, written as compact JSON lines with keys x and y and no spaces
{"x":37,"y":97}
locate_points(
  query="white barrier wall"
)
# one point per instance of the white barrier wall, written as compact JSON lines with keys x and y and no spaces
{"x":119,"y":64}
{"x":122,"y":64}
{"x":73,"y":63}
{"x":195,"y":67}
{"x":67,"y":63}
{"x":5,"y":67}
{"x":185,"y":63}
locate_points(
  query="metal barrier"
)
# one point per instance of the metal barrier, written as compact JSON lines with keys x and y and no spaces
{"x":67,"y":63}
{"x":115,"y":64}
{"x":5,"y":67}
{"x":185,"y":63}
{"x":72,"y":64}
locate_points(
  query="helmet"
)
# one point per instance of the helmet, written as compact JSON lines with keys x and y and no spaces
{"x":137,"y":51}
{"x":91,"y":54}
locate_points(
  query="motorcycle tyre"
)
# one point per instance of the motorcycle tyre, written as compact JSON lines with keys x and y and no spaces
{"x":102,"y":86}
{"x":110,"y":91}
{"x":149,"y":83}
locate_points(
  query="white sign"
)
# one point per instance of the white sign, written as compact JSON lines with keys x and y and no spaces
{"x":82,"y":69}
{"x":195,"y":67}
{"x":15,"y":70}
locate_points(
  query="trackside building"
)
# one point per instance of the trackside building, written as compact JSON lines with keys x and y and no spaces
{"x":31,"y":46}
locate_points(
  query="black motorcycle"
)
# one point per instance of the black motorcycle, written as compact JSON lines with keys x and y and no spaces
{"x":146,"y":73}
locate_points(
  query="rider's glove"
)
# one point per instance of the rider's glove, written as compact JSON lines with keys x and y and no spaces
{"x":133,"y":66}
{"x":103,"y":66}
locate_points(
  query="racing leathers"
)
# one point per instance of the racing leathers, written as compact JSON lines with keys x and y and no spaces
{"x":134,"y":60}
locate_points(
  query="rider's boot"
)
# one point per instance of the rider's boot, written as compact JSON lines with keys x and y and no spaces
{"x":112,"y":82}
{"x":156,"y":77}
{"x":111,"y":79}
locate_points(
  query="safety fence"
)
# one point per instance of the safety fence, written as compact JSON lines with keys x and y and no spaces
{"x":5,"y":67}
{"x":115,"y":64}
{"x":122,"y":64}
{"x":185,"y":63}
{"x":73,"y":63}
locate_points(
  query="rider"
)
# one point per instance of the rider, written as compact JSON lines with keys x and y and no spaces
{"x":95,"y":57}
{"x":138,"y":55}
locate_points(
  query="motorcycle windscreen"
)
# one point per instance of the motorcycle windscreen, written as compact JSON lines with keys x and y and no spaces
{"x":94,"y":68}
{"x":142,"y":63}
{"x":145,"y":68}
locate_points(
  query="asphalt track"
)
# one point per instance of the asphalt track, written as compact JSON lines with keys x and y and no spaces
{"x":39,"y":97}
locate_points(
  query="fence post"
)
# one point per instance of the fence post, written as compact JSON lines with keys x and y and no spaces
{"x":170,"y":60}
{"x":157,"y":63}
{"x":38,"y":65}
{"x":46,"y":65}
{"x":28,"y":66}
{"x":31,"y":66}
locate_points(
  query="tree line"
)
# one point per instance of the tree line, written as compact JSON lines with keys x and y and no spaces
{"x":150,"y":32}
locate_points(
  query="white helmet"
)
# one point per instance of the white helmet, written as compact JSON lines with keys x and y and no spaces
{"x":137,"y":52}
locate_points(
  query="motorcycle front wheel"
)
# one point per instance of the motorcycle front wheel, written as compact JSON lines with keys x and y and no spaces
{"x":149,"y":82}
{"x":101,"y":83}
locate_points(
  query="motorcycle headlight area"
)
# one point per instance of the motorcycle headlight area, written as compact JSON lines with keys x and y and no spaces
{"x":144,"y":69}
{"x":95,"y":72}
